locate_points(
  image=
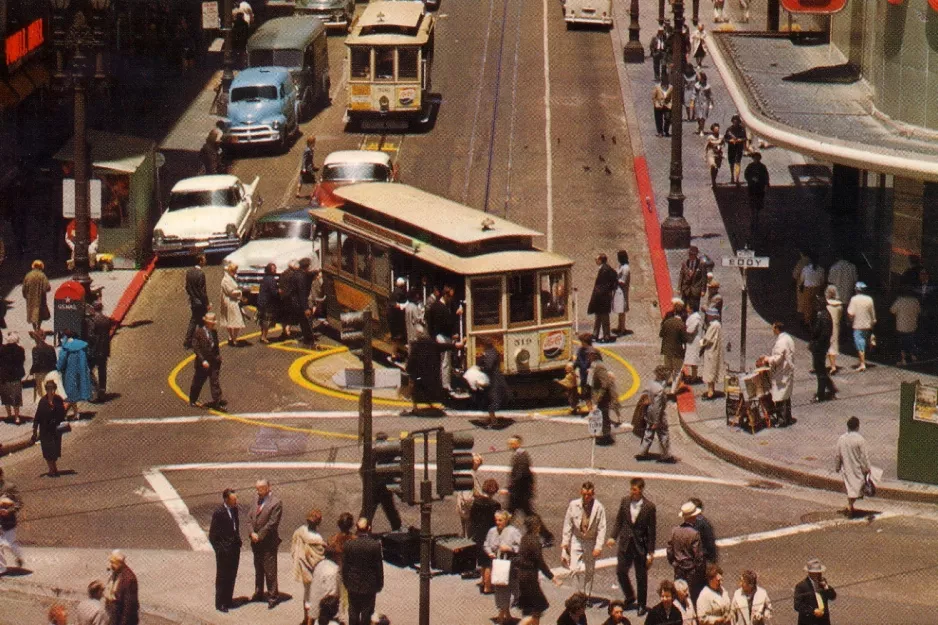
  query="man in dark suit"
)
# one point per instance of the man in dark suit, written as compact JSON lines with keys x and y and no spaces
{"x":198,"y":297}
{"x":443,"y":326}
{"x":100,"y":348}
{"x":299,"y":297}
{"x":264,"y":519}
{"x":600,"y":304}
{"x":635,"y":527}
{"x":123,"y":605}
{"x":207,"y":363}
{"x":225,"y":536}
{"x":521,"y":485}
{"x":362,"y":573}
{"x":813,"y":596}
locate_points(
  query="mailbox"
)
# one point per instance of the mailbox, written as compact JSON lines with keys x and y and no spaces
{"x":69,"y":308}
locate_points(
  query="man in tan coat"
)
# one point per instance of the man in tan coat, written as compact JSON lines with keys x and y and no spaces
{"x":35,"y":287}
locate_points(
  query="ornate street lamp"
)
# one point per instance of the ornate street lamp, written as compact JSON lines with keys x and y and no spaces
{"x":633,"y":52}
{"x":675,"y":231}
{"x":77,"y":40}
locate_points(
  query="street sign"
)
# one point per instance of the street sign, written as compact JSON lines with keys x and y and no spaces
{"x":355,"y":378}
{"x":68,"y":198}
{"x":595,"y":423}
{"x":745,"y":253}
{"x":210,"y":19}
{"x":743,"y":262}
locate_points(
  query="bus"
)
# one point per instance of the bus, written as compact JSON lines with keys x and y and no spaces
{"x":390,"y":55}
{"x":513,"y":293}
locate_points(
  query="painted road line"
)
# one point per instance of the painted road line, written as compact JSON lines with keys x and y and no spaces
{"x":179,"y":511}
{"x":547,"y":141}
{"x":336,"y":415}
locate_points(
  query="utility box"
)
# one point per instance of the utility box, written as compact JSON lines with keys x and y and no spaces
{"x":918,"y":433}
{"x":69,"y":308}
{"x":454,"y":554}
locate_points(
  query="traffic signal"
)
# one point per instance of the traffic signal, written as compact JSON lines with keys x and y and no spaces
{"x":387,"y":469}
{"x":355,"y":331}
{"x":408,"y":470}
{"x":453,"y":462}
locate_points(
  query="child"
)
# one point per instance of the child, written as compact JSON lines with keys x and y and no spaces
{"x":571,"y":384}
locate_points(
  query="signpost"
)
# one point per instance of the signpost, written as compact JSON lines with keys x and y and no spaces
{"x":745,"y":260}
{"x":595,"y":424}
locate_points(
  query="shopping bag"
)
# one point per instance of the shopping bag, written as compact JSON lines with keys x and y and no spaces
{"x":501,"y":571}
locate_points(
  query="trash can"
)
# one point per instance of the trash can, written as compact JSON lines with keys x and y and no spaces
{"x":69,"y":308}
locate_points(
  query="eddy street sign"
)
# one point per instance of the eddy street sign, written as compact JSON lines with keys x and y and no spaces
{"x":746,"y":262}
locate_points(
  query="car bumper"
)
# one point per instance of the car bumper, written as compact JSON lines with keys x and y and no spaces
{"x":588,"y":19}
{"x":251,"y":135}
{"x":190,"y":247}
{"x":249,"y":283}
{"x":328,"y":19}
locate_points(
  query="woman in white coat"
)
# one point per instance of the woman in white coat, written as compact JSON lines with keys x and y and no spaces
{"x":836,"y":309}
{"x":781,"y":363}
{"x":620,"y":299}
{"x":751,"y":605}
{"x":712,"y":352}
{"x":694,"y":326}
{"x":229,"y":313}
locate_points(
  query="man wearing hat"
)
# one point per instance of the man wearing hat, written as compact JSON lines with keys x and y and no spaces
{"x":757,"y":181}
{"x":862,"y":315}
{"x":207,"y":363}
{"x":657,"y":50}
{"x":685,"y":550}
{"x":781,"y":364}
{"x":821,"y":333}
{"x":813,"y":596}
{"x":692,"y":280}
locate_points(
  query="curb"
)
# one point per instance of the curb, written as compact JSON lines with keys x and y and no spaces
{"x":17,"y":445}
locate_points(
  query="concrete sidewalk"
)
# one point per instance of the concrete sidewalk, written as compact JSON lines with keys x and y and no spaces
{"x":719,"y":220}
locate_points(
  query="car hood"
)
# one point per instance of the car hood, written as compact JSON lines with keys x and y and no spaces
{"x":258,"y":253}
{"x":200,"y":220}
{"x":254,"y":111}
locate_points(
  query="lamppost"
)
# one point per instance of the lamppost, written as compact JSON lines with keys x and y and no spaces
{"x":675,"y":231}
{"x":633,"y":52}
{"x":78,"y":40}
{"x":227,"y":74}
{"x":660,"y":12}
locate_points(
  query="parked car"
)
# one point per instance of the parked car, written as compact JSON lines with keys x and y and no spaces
{"x":262,"y":108}
{"x":332,"y":13}
{"x":278,"y":237}
{"x":206,"y":214}
{"x":348,"y":167}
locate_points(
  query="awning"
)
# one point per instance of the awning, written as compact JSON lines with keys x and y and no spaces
{"x":120,"y":153}
{"x":16,"y":88}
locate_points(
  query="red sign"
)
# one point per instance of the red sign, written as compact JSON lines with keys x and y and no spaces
{"x":70,"y":231}
{"x":825,"y":7}
{"x":22,"y":42}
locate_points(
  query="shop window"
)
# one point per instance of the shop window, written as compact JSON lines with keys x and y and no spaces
{"x":553,"y":296}
{"x":521,"y":298}
{"x":486,"y":302}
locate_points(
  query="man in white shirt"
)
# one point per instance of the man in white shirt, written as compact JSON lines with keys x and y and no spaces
{"x":907,"y":309}
{"x":584,"y":530}
{"x":862,"y":314}
{"x":781,"y":363}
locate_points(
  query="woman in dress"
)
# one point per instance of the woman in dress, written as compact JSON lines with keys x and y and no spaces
{"x":713,"y":152}
{"x":12,"y":372}
{"x":698,"y":44}
{"x":620,"y":299}
{"x":268,"y":301}
{"x":712,"y":352}
{"x":836,"y":309}
{"x":694,"y":326}
{"x":308,"y":549}
{"x":44,"y":360}
{"x":504,"y":541}
{"x":531,"y":598}
{"x":690,"y":95}
{"x":481,"y":519}
{"x":229,"y":313}
{"x":810,"y":285}
{"x":50,"y":412}
{"x":703,"y":101}
{"x":73,"y":368}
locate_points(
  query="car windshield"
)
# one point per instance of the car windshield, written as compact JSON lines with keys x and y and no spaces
{"x":276,"y":58}
{"x":356,"y":172}
{"x":247,"y":94}
{"x":180,"y":200}
{"x":282,"y":230}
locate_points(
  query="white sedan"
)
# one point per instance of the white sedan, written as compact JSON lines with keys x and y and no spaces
{"x":206,"y":215}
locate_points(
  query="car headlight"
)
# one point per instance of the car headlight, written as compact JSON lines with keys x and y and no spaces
{"x":275,"y":124}
{"x":231,"y":230}
{"x":158,"y":236}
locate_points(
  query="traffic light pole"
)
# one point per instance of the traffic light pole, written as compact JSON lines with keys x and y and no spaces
{"x":365,"y":426}
{"x":426,"y":533}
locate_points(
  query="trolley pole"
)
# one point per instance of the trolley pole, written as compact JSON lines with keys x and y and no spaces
{"x":365,"y":422}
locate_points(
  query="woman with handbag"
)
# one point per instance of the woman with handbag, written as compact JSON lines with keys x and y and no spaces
{"x":502,"y":545}
{"x":229,"y":313}
{"x":47,"y":426}
{"x":530,"y":562}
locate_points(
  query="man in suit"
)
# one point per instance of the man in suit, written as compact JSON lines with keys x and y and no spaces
{"x":198,"y":297}
{"x":362,"y":573}
{"x":207,"y":363}
{"x":100,"y":350}
{"x":443,"y":326}
{"x":692,"y":280}
{"x":635,"y":527}
{"x":813,"y":596}
{"x":225,"y":536}
{"x":584,"y":532}
{"x":600,"y":304}
{"x":520,"y":489}
{"x":121,"y":592}
{"x":264,"y":519}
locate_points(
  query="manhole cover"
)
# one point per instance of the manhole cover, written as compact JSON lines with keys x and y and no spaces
{"x":764,"y":485}
{"x":823,"y":515}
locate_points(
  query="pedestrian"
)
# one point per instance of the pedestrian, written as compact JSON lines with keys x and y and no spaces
{"x":240,"y":33}
{"x":600,"y":304}
{"x":44,"y":361}
{"x":58,"y":614}
{"x":329,"y":612}
{"x":443,"y":327}
{"x":674,"y":340}
{"x":207,"y":364}
{"x":530,"y":562}
{"x":574,"y":612}
{"x":415,"y":321}
{"x":713,"y":153}
{"x":481,"y":520}
{"x":362,"y":573}
{"x":10,"y":505}
{"x":690,"y":94}
{"x":819,"y":345}
{"x":224,"y":534}
{"x":12,"y":372}
{"x":620,"y":301}
{"x":718,"y":6}
{"x":634,"y":530}
{"x":698,"y":45}
{"x":813,"y":596}
{"x":72,"y":365}
{"x":757,"y":181}
{"x":583,"y":360}
{"x":692,"y":279}
{"x":50,"y":413}
{"x":211,"y":151}
{"x":584,"y":533}
{"x":198,"y":298}
{"x":520,"y":489}
{"x":337,"y":541}
{"x":694,"y":328}
{"x":750,"y":605}
{"x":906,"y":309}
{"x":603,"y":396}
{"x":308,"y":550}
{"x":100,"y":347}
{"x":862,"y":314}
{"x":685,"y":551}
{"x":735,"y":139}
{"x":835,"y":308}
{"x":397,"y":325}
{"x":843,"y":274}
{"x":268,"y":302}
{"x":264,"y":522}
{"x":503,"y":542}
{"x":714,"y":605}
{"x":711,"y":352}
{"x":684,"y":602}
{"x":35,"y":287}
{"x":853,"y":463}
{"x":229,"y":311}
{"x":120,"y":591}
{"x":571,"y":388}
{"x":713,"y":299}
{"x":708,"y":539}
{"x":781,"y":364}
{"x":656,"y":418}
{"x":661,"y":95}
{"x":464,"y":498}
{"x":303,"y":282}
{"x":497,"y":389}
{"x":325,"y":589}
{"x":811,"y":283}
{"x":703,"y":101}
{"x":658,"y":51}
{"x":289,"y":312}
{"x":665,"y":612}
{"x":91,"y":611}
{"x":383,"y":496}
{"x":308,"y":163}
{"x":744,"y":7}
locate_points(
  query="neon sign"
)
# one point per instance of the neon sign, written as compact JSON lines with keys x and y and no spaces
{"x":22,"y":42}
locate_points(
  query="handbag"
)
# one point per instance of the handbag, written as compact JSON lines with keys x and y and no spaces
{"x":63,"y":427}
{"x":638,"y":416}
{"x":501,"y":571}
{"x":869,"y":488}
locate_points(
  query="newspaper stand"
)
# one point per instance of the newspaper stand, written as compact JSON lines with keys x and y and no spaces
{"x":748,"y":400}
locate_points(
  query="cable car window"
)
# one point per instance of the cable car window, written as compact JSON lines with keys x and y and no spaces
{"x":382,"y":267}
{"x":362,"y":260}
{"x":521,"y":298}
{"x":361,"y":63}
{"x":384,"y":63}
{"x":553,"y":296}
{"x":348,"y":254}
{"x":486,"y":302}
{"x":407,"y":63}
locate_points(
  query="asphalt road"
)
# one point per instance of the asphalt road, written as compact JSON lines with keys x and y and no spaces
{"x":488,"y":148}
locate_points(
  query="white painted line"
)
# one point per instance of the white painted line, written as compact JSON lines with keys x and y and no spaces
{"x":178,"y":509}
{"x":336,"y":415}
{"x":547,"y":141}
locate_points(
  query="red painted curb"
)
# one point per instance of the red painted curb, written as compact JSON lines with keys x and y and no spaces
{"x":130,"y":294}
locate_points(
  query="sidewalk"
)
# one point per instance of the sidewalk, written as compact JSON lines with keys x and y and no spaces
{"x":795,"y":214}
